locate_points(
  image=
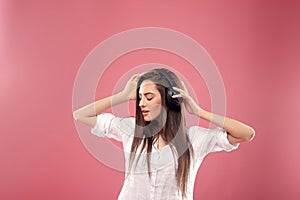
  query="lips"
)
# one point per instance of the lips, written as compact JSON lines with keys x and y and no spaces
{"x":145,"y":112}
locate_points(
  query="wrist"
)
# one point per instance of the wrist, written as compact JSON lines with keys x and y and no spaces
{"x":120,"y":97}
{"x":201,"y":113}
{"x":123,"y":96}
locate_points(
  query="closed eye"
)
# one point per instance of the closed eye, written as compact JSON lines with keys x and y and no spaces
{"x":148,"y":98}
{"x":148,"y":95}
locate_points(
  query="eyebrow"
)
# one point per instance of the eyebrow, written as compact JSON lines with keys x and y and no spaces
{"x":147,"y":93}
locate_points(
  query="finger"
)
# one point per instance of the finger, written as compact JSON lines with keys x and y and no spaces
{"x":182,"y":95}
{"x":135,"y":76}
{"x":178,"y":89}
{"x":184,"y":87}
{"x":177,"y":95}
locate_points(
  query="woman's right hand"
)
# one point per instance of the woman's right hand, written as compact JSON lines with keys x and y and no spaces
{"x":130,"y":89}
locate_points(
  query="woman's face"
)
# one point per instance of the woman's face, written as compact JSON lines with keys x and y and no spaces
{"x":150,"y":100}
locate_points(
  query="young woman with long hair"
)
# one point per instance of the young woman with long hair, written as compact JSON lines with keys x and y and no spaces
{"x":162,"y":155}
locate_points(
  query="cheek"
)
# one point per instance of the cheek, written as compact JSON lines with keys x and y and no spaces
{"x":155,"y":105}
{"x":158,"y":112}
{"x":157,"y":109}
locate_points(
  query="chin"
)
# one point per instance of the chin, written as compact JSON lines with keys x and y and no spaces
{"x":147,"y":119}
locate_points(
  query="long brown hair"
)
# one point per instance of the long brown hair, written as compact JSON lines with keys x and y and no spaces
{"x":173,"y":131}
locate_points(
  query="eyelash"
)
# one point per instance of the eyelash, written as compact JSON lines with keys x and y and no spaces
{"x":149,"y":99}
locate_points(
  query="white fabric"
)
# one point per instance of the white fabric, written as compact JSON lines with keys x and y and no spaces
{"x":162,"y":184}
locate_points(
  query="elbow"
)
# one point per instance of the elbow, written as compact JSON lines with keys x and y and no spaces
{"x":75,"y":115}
{"x":250,"y":134}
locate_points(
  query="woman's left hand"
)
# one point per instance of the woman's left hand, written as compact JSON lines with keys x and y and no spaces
{"x":189,"y":103}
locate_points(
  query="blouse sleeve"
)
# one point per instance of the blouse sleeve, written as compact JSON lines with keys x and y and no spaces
{"x":206,"y":140}
{"x":223,"y":142}
{"x":111,"y":126}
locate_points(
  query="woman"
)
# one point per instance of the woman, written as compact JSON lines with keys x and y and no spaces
{"x":163,"y":155}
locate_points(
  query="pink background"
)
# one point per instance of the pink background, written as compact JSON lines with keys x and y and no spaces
{"x":254,"y":44}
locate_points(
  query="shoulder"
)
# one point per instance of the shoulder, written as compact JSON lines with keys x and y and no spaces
{"x":126,"y":122}
{"x":113,"y":122}
{"x":196,"y":131}
{"x":200,"y":134}
{"x":202,"y":131}
{"x":112,"y":126}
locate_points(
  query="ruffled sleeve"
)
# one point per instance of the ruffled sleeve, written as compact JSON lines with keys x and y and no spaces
{"x":223,"y":142}
{"x":111,"y":126}
{"x":206,"y":140}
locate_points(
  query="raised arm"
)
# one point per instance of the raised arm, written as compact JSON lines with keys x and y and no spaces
{"x":237,"y":131}
{"x":88,"y":114}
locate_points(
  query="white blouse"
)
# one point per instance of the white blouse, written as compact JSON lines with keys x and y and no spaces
{"x":162,"y":184}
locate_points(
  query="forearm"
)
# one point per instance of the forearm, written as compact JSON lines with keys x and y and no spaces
{"x":233,"y":127}
{"x":99,"y":106}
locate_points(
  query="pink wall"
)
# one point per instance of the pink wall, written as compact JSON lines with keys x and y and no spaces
{"x":253,"y":43}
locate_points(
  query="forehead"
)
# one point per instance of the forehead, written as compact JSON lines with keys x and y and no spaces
{"x":148,"y":86}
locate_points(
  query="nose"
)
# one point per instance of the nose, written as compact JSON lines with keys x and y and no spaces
{"x":142,"y":102}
